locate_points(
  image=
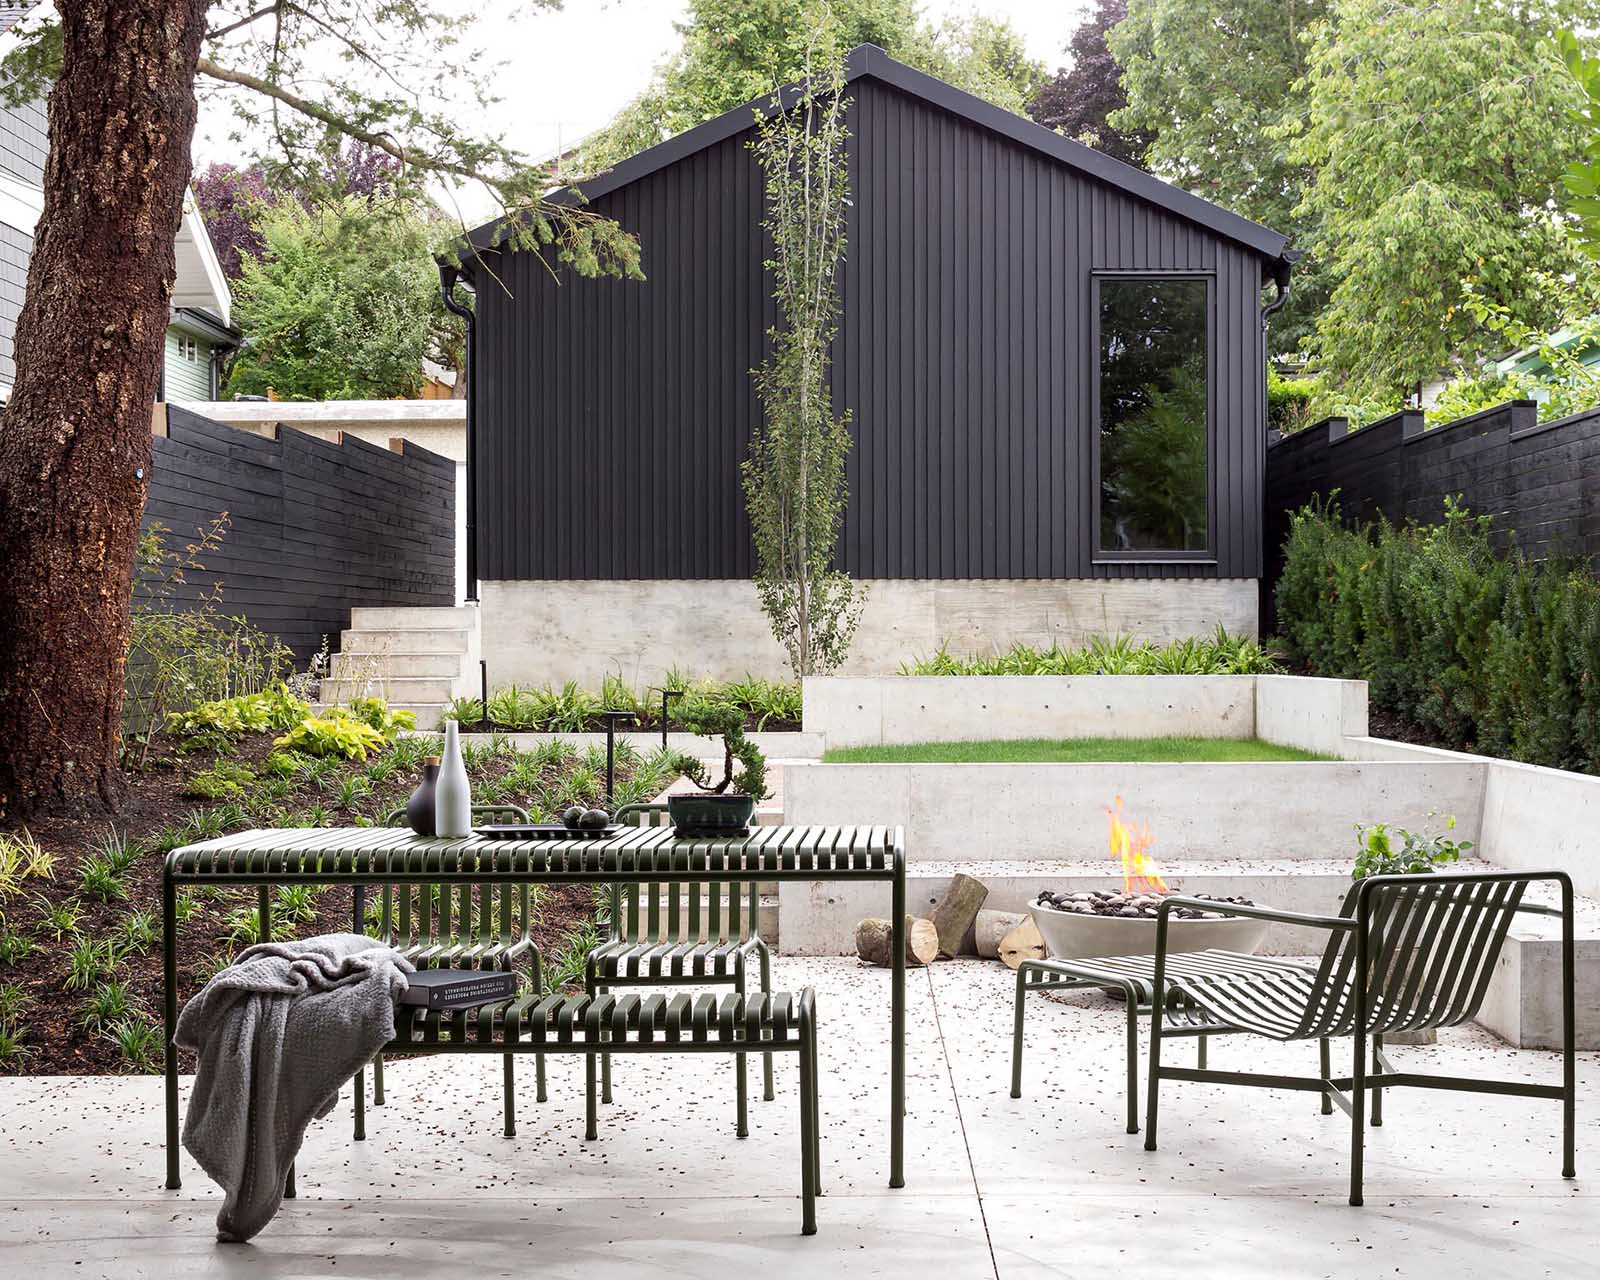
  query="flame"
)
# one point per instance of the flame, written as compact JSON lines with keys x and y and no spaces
{"x":1131,"y":843}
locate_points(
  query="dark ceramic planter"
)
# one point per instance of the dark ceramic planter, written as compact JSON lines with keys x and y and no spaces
{"x":711,"y":813}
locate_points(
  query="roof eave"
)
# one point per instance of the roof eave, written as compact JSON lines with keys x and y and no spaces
{"x":869,"y":60}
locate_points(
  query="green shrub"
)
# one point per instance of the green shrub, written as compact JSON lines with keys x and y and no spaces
{"x":223,"y":781}
{"x":375,"y":712}
{"x":269,"y":710}
{"x":138,"y":1041}
{"x":22,"y":859}
{"x":335,"y":733}
{"x":108,"y":1003}
{"x":464,"y":711}
{"x":183,"y":651}
{"x":59,"y":918}
{"x":13,"y":1047}
{"x":14,"y":947}
{"x":14,"y":1000}
{"x":1418,"y":851}
{"x":1290,"y":402}
{"x":89,"y":962}
{"x":140,"y":929}
{"x":102,"y":879}
{"x":1218,"y":654}
{"x":1485,"y":651}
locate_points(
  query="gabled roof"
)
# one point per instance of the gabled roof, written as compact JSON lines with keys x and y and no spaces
{"x":869,"y":61}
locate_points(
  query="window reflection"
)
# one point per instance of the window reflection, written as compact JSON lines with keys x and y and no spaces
{"x":1153,"y":483}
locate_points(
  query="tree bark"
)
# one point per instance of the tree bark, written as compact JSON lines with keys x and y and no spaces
{"x":956,"y":911}
{"x":75,"y":438}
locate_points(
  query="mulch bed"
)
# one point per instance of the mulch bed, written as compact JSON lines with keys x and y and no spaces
{"x":56,"y":1041}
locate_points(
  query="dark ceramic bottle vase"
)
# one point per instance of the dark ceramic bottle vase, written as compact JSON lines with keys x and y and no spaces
{"x":419,"y":809}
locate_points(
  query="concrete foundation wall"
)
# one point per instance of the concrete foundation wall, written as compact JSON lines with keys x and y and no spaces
{"x":876,"y":710}
{"x":564,"y":630}
{"x":954,"y":812}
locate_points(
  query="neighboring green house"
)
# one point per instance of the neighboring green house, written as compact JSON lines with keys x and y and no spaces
{"x":1578,"y":340}
{"x":200,"y":336}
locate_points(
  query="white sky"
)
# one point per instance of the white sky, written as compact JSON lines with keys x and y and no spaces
{"x":573,"y":69}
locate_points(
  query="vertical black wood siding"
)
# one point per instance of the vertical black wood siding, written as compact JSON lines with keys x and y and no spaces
{"x":613,"y":417}
{"x":314,"y":528}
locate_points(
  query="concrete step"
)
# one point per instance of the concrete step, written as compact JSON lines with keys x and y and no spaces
{"x":413,"y":619}
{"x":396,"y":689}
{"x":409,"y":640}
{"x":360,"y":666}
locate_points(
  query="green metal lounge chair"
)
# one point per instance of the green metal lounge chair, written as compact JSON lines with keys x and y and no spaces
{"x":467,"y":926}
{"x":1406,"y":953}
{"x":681,"y":935}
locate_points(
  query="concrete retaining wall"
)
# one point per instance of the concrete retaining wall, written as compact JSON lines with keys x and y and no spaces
{"x":556,"y":631}
{"x":956,"y":812}
{"x":897,"y":709}
{"x":1310,"y":713}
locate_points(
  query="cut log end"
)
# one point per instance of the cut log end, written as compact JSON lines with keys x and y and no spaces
{"x":1022,"y":943}
{"x":875,"y":942}
{"x":990,"y":929}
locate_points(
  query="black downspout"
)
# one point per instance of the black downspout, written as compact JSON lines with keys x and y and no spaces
{"x":1282,"y":271}
{"x":449,"y":274}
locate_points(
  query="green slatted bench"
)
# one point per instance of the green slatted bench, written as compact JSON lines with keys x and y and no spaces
{"x":682,"y":934}
{"x":458,"y":926}
{"x":635,"y":1023}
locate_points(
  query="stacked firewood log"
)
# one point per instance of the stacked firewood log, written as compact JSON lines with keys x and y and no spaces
{"x":957,"y":925}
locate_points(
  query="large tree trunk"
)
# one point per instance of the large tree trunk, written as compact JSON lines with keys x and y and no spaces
{"x":75,"y":439}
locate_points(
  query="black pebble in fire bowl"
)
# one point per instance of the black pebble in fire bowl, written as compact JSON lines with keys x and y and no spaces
{"x":1132,"y":906}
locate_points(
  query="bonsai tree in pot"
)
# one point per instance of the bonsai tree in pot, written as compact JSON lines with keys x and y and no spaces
{"x":726,"y":807}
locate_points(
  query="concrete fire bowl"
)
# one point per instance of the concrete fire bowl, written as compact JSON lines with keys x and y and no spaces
{"x":1070,"y":935}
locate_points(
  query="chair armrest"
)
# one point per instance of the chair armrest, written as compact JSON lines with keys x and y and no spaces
{"x":1171,"y":901}
{"x":1254,"y":913}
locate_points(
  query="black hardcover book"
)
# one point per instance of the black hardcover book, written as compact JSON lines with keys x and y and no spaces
{"x":458,"y":988}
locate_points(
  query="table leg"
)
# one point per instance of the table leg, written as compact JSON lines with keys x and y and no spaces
{"x":897,"y":1032}
{"x":169,"y":980}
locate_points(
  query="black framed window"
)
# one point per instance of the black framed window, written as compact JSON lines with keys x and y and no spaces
{"x":1154,"y":409}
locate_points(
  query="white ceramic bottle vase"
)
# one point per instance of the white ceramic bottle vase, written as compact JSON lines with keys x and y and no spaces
{"x":452,"y":795}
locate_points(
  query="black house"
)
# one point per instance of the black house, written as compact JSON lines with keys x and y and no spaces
{"x":1053,"y":362}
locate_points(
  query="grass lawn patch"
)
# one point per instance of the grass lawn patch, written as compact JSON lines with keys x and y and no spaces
{"x":1069,"y":751}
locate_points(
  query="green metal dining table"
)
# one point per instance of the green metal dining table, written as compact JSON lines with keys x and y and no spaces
{"x":373,"y":856}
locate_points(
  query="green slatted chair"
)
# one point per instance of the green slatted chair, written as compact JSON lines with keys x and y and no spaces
{"x":1406,"y":953}
{"x":681,"y":935}
{"x":467,"y":926}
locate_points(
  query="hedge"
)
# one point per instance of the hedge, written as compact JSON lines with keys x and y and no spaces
{"x":1491,"y":653}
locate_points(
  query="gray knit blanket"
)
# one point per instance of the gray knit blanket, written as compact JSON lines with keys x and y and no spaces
{"x":278,"y":1032}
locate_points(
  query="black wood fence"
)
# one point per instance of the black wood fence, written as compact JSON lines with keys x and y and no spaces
{"x":314,"y":528}
{"x":1540,"y":481}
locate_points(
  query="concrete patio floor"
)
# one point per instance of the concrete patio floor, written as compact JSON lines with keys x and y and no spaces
{"x":1246,"y":1184}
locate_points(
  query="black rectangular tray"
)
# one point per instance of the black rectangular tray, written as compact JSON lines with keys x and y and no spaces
{"x":543,"y":831}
